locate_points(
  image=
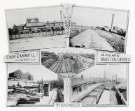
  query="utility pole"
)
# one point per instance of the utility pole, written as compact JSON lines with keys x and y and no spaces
{"x":104,"y":76}
{"x":82,"y":77}
{"x":61,"y":15}
{"x":112,"y":21}
{"x":116,"y":78}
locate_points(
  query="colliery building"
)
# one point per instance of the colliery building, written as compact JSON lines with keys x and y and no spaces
{"x":33,"y":25}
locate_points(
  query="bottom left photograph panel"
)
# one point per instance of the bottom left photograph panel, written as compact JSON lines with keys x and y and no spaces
{"x":33,"y":85}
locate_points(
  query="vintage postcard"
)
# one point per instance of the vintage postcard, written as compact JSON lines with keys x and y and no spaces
{"x":92,"y":71}
{"x":35,"y":28}
{"x":99,"y":28}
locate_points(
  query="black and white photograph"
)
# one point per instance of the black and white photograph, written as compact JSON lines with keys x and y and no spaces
{"x":101,"y":85}
{"x":67,"y":63}
{"x":67,"y":55}
{"x":35,"y":28}
{"x":99,"y":28}
{"x":33,"y":85}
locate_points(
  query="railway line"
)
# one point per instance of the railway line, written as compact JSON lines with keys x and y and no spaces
{"x":99,"y":94}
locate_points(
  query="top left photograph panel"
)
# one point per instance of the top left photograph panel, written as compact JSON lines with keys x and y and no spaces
{"x":35,"y":28}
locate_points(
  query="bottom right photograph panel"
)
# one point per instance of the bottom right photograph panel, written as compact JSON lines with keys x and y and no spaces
{"x":101,"y":85}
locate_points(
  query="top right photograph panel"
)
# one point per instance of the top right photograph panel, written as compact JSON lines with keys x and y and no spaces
{"x":99,"y":28}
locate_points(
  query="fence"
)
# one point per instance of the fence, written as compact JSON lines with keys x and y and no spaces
{"x":40,"y":34}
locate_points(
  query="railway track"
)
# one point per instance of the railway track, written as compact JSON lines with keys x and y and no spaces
{"x":91,"y":97}
{"x":98,"y":94}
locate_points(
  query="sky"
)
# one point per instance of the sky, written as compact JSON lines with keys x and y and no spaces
{"x":38,"y":71}
{"x":80,"y":15}
{"x":99,"y":17}
{"x":108,"y":70}
{"x":19,"y":16}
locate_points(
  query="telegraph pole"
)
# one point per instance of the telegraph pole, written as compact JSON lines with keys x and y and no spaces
{"x":61,"y":15}
{"x":116,"y":78}
{"x":104,"y":76}
{"x":112,"y":21}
